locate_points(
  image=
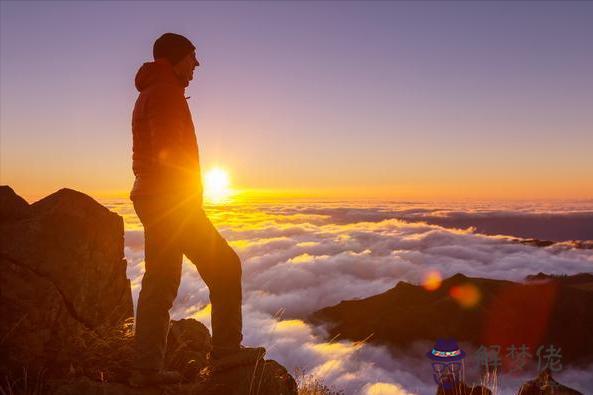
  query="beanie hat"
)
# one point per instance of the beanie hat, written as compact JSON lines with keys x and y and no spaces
{"x":173,"y":47}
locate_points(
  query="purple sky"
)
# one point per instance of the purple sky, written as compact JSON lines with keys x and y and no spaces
{"x":393,"y":99}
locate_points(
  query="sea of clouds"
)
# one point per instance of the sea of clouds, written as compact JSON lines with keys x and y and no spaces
{"x":300,"y":257}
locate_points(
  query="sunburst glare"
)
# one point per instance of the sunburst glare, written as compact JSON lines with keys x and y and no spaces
{"x":217,"y":186}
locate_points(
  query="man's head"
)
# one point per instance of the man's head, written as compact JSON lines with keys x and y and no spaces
{"x":179,"y":51}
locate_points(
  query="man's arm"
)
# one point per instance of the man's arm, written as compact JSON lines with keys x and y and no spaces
{"x":166,"y":122}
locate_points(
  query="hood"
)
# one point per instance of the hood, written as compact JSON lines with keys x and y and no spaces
{"x":157,"y":72}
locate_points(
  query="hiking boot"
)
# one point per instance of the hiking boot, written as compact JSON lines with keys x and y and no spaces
{"x":229,"y":359}
{"x":144,"y":378}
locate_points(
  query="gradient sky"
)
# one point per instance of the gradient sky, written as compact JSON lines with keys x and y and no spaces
{"x":423,"y":100}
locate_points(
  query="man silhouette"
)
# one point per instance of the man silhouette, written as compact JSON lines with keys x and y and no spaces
{"x":167,"y":197}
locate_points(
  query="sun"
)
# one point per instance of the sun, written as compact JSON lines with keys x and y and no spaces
{"x":217,"y":185}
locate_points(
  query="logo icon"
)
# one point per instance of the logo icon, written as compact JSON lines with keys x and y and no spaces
{"x":447,"y":363}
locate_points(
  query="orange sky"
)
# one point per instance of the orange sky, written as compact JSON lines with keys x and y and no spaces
{"x":385,"y":100}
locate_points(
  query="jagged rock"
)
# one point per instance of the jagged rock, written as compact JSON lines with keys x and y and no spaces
{"x":188,"y":344}
{"x":544,"y":384}
{"x":66,"y":308}
{"x":12,"y":206}
{"x":487,"y":312}
{"x":77,"y":244}
{"x":536,"y":242}
{"x":578,"y":280}
{"x":36,"y":322}
{"x":567,"y":244}
{"x":268,"y":378}
{"x":62,"y":276}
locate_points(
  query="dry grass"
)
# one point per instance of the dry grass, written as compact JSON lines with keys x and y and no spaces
{"x":309,"y":385}
{"x":23,"y":384}
{"x":103,"y":355}
{"x":490,"y":380}
{"x":106,"y":353}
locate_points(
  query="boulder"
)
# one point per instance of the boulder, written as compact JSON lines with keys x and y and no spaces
{"x":544,"y":384}
{"x":12,"y":206}
{"x":62,"y":276}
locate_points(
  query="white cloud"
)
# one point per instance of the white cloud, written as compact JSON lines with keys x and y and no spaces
{"x":300,"y":258}
{"x":384,"y":389}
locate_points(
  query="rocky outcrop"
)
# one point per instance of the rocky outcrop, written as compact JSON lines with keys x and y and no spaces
{"x":188,"y":344}
{"x":12,"y":206}
{"x":543,"y":312}
{"x":66,"y":308}
{"x":544,"y":384}
{"x":571,"y":244}
{"x":62,"y":276}
{"x":581,"y":280}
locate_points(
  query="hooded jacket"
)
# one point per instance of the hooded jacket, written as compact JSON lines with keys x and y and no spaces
{"x":165,"y":157}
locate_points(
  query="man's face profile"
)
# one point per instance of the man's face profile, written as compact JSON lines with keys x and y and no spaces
{"x":185,"y":67}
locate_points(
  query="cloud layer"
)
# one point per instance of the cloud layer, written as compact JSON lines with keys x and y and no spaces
{"x":298,"y":258}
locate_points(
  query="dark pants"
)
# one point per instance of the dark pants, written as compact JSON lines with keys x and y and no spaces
{"x":172,"y":229}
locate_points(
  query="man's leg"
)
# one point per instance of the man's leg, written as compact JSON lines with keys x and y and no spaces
{"x":163,"y":260}
{"x":220,"y":268}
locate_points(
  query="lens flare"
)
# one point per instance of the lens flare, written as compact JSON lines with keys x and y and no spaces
{"x":467,"y":295}
{"x":432,"y":280}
